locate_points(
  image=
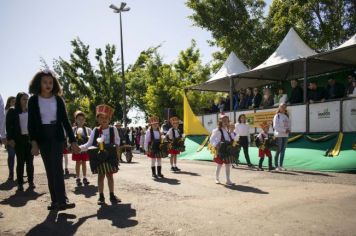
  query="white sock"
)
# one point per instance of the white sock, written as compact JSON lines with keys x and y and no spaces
{"x":227,"y":171}
{"x":217,"y":172}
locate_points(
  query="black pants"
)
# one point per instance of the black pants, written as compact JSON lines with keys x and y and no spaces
{"x":244,"y":144}
{"x":269,"y":162}
{"x":24,"y":156}
{"x":52,"y":156}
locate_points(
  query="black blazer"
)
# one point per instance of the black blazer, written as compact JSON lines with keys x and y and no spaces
{"x":35,"y":129}
{"x":13,"y":129}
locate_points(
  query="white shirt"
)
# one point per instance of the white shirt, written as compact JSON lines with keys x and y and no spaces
{"x":241,"y":129}
{"x":170,"y":133}
{"x":156,"y":135}
{"x":2,"y":119}
{"x":23,"y":122}
{"x":281,"y":123}
{"x":48,"y":109}
{"x":105,"y":135}
{"x":80,"y":131}
{"x":215,"y":137}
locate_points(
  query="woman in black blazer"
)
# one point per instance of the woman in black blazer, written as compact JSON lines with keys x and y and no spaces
{"x":47,"y":119}
{"x":17,"y":137}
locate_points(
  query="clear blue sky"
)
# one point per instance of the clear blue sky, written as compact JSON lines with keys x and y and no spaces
{"x":42,"y":28}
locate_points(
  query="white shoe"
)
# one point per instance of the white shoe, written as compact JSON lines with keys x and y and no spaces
{"x":217,"y":181}
{"x":277,"y":169}
{"x":281,"y":168}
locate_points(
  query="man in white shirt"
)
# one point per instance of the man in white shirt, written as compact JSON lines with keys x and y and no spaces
{"x":2,"y":122}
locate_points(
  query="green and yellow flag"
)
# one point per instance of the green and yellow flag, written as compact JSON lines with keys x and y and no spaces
{"x":192,"y":124}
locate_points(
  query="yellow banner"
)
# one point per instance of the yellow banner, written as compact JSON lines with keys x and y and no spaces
{"x":192,"y":124}
{"x":256,"y":119}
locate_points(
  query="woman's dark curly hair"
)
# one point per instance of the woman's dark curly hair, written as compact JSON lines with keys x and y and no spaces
{"x":35,"y":83}
{"x":18,"y":107}
{"x":240,"y":116}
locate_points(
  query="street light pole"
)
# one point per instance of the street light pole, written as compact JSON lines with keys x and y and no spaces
{"x":119,"y":10}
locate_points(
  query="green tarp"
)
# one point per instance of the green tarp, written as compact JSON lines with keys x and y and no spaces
{"x":301,"y":154}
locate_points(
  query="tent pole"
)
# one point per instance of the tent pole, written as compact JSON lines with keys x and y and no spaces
{"x":305,"y":94}
{"x":231,"y":95}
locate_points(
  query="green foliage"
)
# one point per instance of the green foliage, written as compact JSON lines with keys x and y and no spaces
{"x":86,"y":87}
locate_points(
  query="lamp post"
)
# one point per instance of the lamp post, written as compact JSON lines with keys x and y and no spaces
{"x":120,"y":9}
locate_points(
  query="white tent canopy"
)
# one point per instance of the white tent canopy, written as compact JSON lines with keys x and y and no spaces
{"x":220,"y":81}
{"x":351,"y":41}
{"x":291,"y":48}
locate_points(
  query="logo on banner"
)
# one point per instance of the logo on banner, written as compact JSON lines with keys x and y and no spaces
{"x":210,"y":122}
{"x":353,"y":111}
{"x":324,"y":114}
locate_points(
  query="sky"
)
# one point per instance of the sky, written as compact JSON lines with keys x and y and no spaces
{"x":33,"y":29}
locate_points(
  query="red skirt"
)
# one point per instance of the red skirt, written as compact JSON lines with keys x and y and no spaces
{"x":220,"y":161}
{"x":80,"y":157}
{"x":66,"y":151}
{"x":173,"y":152}
{"x":263,"y":153}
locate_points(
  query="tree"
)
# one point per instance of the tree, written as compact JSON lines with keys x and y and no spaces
{"x":86,"y":87}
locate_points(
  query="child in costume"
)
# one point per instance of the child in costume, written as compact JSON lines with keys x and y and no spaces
{"x":221,"y":141}
{"x":176,"y":142}
{"x":153,"y":147}
{"x":263,"y":142}
{"x":103,"y":160}
{"x":82,"y":133}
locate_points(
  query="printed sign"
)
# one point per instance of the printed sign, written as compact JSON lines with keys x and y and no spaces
{"x":349,"y":115}
{"x":324,"y":117}
{"x":210,"y":122}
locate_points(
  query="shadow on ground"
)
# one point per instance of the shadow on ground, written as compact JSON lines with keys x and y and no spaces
{"x":88,"y":191}
{"x":20,"y":199}
{"x":244,"y":188}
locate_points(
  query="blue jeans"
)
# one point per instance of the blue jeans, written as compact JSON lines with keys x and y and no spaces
{"x":11,"y":159}
{"x":282,"y":145}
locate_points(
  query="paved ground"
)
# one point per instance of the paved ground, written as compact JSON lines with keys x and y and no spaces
{"x":188,"y":203}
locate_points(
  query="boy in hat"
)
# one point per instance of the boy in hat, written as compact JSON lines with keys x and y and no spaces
{"x":262,"y":142}
{"x":176,"y":141}
{"x":82,"y":133}
{"x":219,"y":140}
{"x":152,"y":146}
{"x":107,"y":139}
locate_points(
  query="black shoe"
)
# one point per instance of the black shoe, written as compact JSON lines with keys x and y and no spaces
{"x":79,"y":183}
{"x":52,"y":206}
{"x":11,"y":177}
{"x":271,"y":168}
{"x":101,"y":200}
{"x":66,"y":171}
{"x":114,"y":199}
{"x":20,"y":188}
{"x":260,"y":169}
{"x":86,"y":182}
{"x":177,"y":169}
{"x":173,"y":169}
{"x":159,"y":172}
{"x":154,"y":175}
{"x":31,"y":185}
{"x":65,"y":206}
{"x":250,"y":165}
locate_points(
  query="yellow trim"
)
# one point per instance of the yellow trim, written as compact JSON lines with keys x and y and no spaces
{"x":292,"y":139}
{"x":203,"y":144}
{"x":322,"y":138}
{"x":336,"y":150}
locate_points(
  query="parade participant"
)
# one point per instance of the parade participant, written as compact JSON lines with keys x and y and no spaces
{"x":153,"y":140}
{"x":65,"y":154}
{"x":17,"y":137}
{"x":263,"y":143}
{"x":104,"y":161}
{"x":220,"y":140}
{"x":282,"y":127}
{"x":242,"y":131}
{"x":176,"y":141}
{"x":11,"y":153}
{"x":47,"y":120}
{"x":82,"y":133}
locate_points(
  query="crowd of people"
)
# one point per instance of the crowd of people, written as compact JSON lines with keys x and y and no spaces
{"x":253,"y":98}
{"x":39,"y":125}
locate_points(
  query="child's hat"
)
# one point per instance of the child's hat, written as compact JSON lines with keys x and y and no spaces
{"x":104,"y":110}
{"x":264,"y":125}
{"x":153,"y":120}
{"x":77,"y":113}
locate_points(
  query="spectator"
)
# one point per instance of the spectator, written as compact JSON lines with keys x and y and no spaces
{"x":267,"y":98}
{"x":221,"y":105}
{"x":236,"y":100}
{"x":296,"y":95}
{"x":353,"y":94}
{"x":315,"y":93}
{"x":227,"y":104}
{"x":243,"y":101}
{"x":350,"y":87}
{"x":335,"y":89}
{"x":10,"y":103}
{"x":214,"y":108}
{"x":257,"y":98}
{"x":249,"y":97}
{"x":280,"y":97}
